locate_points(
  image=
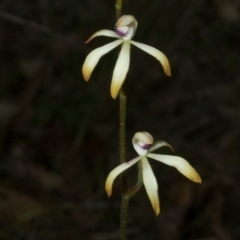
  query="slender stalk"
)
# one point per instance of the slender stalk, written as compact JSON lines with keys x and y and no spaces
{"x":127,"y":193}
{"x":123,"y":217}
{"x":118,"y":7}
{"x":122,"y":134}
{"x":122,"y":148}
{"x":122,"y":154}
{"x":122,"y":126}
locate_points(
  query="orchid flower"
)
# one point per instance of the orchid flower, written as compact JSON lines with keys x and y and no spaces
{"x":141,"y":143}
{"x":124,"y":31}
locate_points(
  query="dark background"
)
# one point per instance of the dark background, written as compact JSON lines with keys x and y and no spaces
{"x":59,"y":134}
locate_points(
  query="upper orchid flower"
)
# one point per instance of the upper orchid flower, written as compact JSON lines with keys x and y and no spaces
{"x":124,"y":31}
{"x":141,"y":143}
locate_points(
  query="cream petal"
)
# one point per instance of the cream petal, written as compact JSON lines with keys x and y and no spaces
{"x":121,"y":69}
{"x":155,"y":53}
{"x":160,"y":144}
{"x":180,"y":164}
{"x":104,"y":32}
{"x":94,"y":56}
{"x":115,"y":172}
{"x":150,"y":184}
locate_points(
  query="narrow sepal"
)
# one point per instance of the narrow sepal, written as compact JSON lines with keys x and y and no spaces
{"x":115,"y":172}
{"x":151,"y":185}
{"x":121,"y":69}
{"x":94,"y":56}
{"x":155,"y":53}
{"x":160,"y":144}
{"x":180,"y":164}
{"x":104,"y":32}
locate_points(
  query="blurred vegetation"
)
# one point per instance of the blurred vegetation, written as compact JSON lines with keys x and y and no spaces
{"x":59,"y":135}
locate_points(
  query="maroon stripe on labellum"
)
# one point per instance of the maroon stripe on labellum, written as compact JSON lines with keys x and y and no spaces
{"x":145,"y":146}
{"x":119,"y":32}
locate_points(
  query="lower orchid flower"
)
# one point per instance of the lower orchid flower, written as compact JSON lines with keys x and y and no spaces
{"x":141,"y":143}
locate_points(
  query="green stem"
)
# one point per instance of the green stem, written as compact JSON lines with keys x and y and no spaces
{"x":125,"y":203}
{"x":123,"y":217}
{"x":118,"y":7}
{"x":122,"y":154}
{"x":122,"y":134}
{"x":122,"y":149}
{"x":122,"y":126}
{"x":127,"y":193}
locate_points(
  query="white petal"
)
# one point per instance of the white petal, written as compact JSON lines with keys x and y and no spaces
{"x":180,"y":164}
{"x":160,"y":144}
{"x":150,"y":184}
{"x":121,"y":69}
{"x":155,"y":53}
{"x":94,"y":56}
{"x":104,"y":32}
{"x":115,"y":172}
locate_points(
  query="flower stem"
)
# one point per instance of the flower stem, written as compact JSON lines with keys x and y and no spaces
{"x":122,"y":134}
{"x":118,"y":7}
{"x":126,"y":193}
{"x":122,"y":126}
{"x":123,"y":217}
{"x":122,"y":154}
